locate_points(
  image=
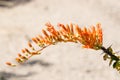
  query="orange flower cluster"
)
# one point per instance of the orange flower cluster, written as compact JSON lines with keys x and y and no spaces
{"x":90,"y":38}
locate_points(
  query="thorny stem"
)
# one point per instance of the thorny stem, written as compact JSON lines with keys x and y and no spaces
{"x":107,"y":51}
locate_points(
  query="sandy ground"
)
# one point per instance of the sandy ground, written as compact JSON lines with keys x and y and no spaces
{"x":65,"y":61}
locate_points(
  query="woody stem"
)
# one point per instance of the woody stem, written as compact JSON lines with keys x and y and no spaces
{"x":107,"y":51}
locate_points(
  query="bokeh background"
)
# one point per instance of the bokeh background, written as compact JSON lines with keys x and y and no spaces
{"x":20,"y":20}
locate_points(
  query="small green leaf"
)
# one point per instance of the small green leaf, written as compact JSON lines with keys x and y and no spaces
{"x":110,"y":49}
{"x":105,"y":57}
{"x":118,"y":63}
{"x":110,"y":62}
{"x":114,"y":65}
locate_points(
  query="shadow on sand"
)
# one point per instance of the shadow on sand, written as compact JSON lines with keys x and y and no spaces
{"x":12,"y":3}
{"x":39,"y":62}
{"x":7,"y":75}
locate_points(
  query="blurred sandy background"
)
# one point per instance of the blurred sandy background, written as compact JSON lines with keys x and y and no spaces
{"x":21,"y":20}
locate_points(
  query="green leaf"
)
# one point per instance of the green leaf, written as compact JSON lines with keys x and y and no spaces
{"x":110,"y":62}
{"x":114,"y":64}
{"x":105,"y":57}
{"x":118,"y":64}
{"x":110,"y":49}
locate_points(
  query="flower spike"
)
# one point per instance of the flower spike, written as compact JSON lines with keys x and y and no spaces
{"x":90,"y":38}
